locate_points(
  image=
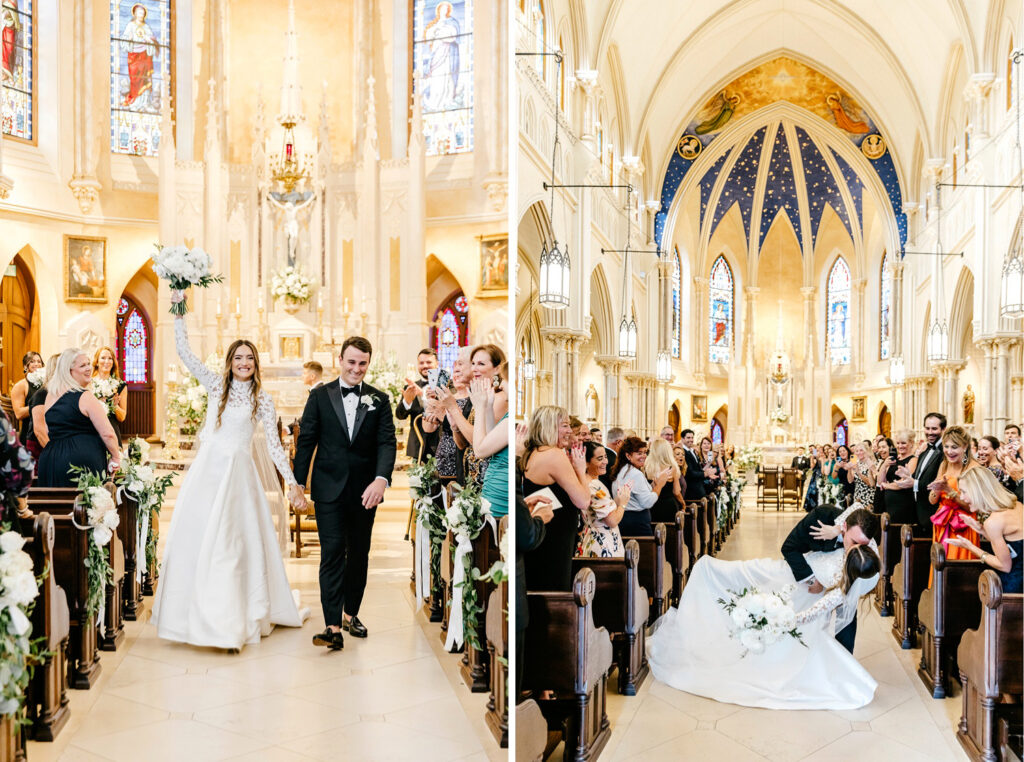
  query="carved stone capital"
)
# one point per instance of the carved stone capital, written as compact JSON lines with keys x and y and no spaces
{"x":497,"y":191}
{"x":86,"y":191}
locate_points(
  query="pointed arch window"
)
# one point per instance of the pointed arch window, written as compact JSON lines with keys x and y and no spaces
{"x":133,"y":343}
{"x":721,"y":298}
{"x":838,"y":314}
{"x":842,"y":433}
{"x":17,"y":68}
{"x":885,"y":318}
{"x":443,"y":57}
{"x":539,"y":37}
{"x":677,"y":318}
{"x":450,"y":329}
{"x":140,"y":73}
{"x":717,"y":436}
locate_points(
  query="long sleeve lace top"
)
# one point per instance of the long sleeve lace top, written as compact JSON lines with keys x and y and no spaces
{"x":821,"y":607}
{"x":239,"y":398}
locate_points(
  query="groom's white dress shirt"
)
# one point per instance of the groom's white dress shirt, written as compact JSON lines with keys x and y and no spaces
{"x":351,"y":402}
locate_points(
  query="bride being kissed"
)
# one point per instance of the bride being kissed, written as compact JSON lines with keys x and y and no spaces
{"x":709,"y":646}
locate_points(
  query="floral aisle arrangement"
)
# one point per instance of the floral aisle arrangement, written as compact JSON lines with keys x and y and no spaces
{"x":748,"y":457}
{"x":105,"y":390}
{"x":425,"y":486}
{"x":465,"y":517}
{"x":291,"y":285}
{"x":101,"y":515}
{"x":186,"y":405}
{"x":182,"y":267}
{"x":759,"y":618}
{"x":140,"y":481}
{"x":779,"y":416}
{"x":386,"y":376}
{"x":17,"y":468}
{"x":829,"y":493}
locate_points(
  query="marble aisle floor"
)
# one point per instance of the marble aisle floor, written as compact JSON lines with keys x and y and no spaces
{"x":903,"y":723}
{"x":394,"y":696}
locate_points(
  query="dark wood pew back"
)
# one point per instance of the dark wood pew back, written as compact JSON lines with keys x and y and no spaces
{"x":909,"y":579}
{"x":889,"y":550}
{"x":497,"y":643}
{"x":655,"y":574}
{"x":677,"y":553}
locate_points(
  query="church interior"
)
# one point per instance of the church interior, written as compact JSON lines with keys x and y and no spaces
{"x":783,"y":228}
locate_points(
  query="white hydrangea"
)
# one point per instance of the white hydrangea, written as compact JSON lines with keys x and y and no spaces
{"x":10,"y":542}
{"x":20,"y":588}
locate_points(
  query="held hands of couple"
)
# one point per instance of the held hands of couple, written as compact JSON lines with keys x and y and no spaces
{"x":297,"y":497}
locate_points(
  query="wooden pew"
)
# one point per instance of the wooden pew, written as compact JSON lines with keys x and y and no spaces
{"x":620,"y":606}
{"x":655,"y":574}
{"x":946,"y":610}
{"x":692,"y":531}
{"x":889,"y":550}
{"x":476,"y":667}
{"x":496,"y":627}
{"x":131,"y":587}
{"x":445,"y":585}
{"x":46,"y":700}
{"x":531,"y":732}
{"x":990,"y":663}
{"x":909,"y":578}
{"x":711,"y":516}
{"x":568,"y":655}
{"x":677,"y":553}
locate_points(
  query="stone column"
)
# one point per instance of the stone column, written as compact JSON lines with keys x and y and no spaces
{"x":609,"y":413}
{"x":896,"y":318}
{"x":976,"y":94}
{"x":1016,"y":399}
{"x":989,"y":384}
{"x":700,"y":350}
{"x":1001,"y":416}
{"x":543,"y":388}
{"x":84,"y":184}
{"x":558,"y":365}
{"x":859,"y":287}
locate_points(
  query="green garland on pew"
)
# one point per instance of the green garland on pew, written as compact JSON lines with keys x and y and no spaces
{"x":140,"y":481}
{"x":466,"y":517}
{"x":98,"y":570}
{"x":19,"y":654}
{"x":425,"y":485}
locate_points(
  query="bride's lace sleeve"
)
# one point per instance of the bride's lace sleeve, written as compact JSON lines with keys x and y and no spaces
{"x":268,"y":417}
{"x":206,"y":377}
{"x":822,"y":606}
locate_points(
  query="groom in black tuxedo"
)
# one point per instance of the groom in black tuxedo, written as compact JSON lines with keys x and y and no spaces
{"x":348,"y":423}
{"x":818,"y":531}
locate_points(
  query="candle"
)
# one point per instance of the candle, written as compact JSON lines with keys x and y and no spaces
{"x":219,"y":313}
{"x":259,"y":300}
{"x":320,"y":300}
{"x":288,"y":150}
{"x":238,"y":305}
{"x":346,"y":305}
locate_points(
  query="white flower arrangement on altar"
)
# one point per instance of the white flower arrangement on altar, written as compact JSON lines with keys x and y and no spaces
{"x":778,"y":415}
{"x":186,"y":407}
{"x":385,"y":375}
{"x":291,"y":285}
{"x":18,"y":589}
{"x":36,"y":377}
{"x":760,"y":619}
{"x":105,"y":390}
{"x":748,"y":457}
{"x":182,"y":267}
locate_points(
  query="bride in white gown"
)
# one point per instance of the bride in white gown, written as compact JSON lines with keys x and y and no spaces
{"x":692,"y":648}
{"x":222,"y":582}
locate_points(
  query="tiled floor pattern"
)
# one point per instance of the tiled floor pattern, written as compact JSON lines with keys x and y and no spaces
{"x":394,"y":696}
{"x":902,"y":724}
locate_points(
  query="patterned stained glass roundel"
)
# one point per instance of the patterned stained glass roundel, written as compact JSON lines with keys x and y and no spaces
{"x":461,"y":304}
{"x":122,"y":306}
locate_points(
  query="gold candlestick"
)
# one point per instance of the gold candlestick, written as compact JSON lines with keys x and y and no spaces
{"x":320,"y":327}
{"x":261,"y":339}
{"x":238,"y":325}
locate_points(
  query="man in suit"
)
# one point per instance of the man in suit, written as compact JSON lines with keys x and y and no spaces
{"x":348,"y":423}
{"x":312,"y":374}
{"x":818,"y":531}
{"x":929,"y":458}
{"x":800,"y":461}
{"x":615,"y":438}
{"x":411,"y":407}
{"x":696,"y":488}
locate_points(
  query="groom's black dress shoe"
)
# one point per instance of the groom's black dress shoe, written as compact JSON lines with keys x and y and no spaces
{"x":333,"y":640}
{"x":354,"y":627}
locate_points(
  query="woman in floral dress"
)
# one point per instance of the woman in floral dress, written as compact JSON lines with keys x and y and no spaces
{"x":599,"y":537}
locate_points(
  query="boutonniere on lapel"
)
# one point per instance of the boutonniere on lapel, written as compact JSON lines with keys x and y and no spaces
{"x":367,"y":401}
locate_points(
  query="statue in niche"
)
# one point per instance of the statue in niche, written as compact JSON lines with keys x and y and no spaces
{"x":968,"y":403}
{"x":590,"y":401}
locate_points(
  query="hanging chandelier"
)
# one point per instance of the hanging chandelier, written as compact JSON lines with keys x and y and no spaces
{"x":627,"y":328}
{"x":529,"y":366}
{"x":663,"y":369}
{"x":554,"y":262}
{"x":937,"y":345}
{"x":897,"y":371}
{"x":627,"y":338}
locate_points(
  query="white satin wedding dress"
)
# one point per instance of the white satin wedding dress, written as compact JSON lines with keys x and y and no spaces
{"x":692,"y":650}
{"x":222,"y":581}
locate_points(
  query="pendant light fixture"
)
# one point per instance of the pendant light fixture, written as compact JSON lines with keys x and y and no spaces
{"x":897,"y":371}
{"x":627,"y":327}
{"x":554,"y":261}
{"x":663,"y":371}
{"x":937,"y":346}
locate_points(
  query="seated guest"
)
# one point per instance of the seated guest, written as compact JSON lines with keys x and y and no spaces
{"x":615,"y":438}
{"x":896,"y":500}
{"x":21,"y":393}
{"x":546,"y":466}
{"x":981,"y":492}
{"x":670,"y":499}
{"x":600,"y":536}
{"x":77,"y":427}
{"x":695,"y":473}
{"x":491,"y":442}
{"x":629,"y":470}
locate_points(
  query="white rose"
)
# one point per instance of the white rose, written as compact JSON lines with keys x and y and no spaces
{"x":739,"y":616}
{"x":15,"y":563}
{"x":111,"y":519}
{"x":11,"y":541}
{"x":788,"y":620}
{"x":101,"y":535}
{"x":100,"y":499}
{"x":751,"y":640}
{"x":21,"y":588}
{"x":755,"y":605}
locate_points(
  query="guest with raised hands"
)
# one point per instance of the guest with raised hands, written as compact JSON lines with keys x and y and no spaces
{"x":944,"y":492}
{"x":600,"y":536}
{"x":862,"y":475}
{"x":490,"y":440}
{"x":411,"y":407}
{"x":670,"y":499}
{"x":437,"y":416}
{"x":549,"y":470}
{"x":629,"y":470}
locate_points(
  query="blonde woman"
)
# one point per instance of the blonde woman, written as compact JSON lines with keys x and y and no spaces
{"x":981,"y":492}
{"x":548,"y":469}
{"x":223,"y":582}
{"x":898,"y":501}
{"x":944,"y":492}
{"x":109,"y":388}
{"x":77,"y":428}
{"x":670,"y":498}
{"x":862,"y":475}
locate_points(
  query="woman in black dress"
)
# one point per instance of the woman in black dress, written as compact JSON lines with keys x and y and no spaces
{"x":898,"y":503}
{"x":546,"y":466}
{"x":105,"y":377}
{"x":21,"y":394}
{"x":77,"y":428}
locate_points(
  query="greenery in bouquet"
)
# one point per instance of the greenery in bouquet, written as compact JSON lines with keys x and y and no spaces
{"x":182,"y":267}
{"x":19,"y":587}
{"x":16,"y":471}
{"x":761,"y":618}
{"x":290,"y":284}
{"x":748,"y":457}
{"x":140,"y":481}
{"x":102,"y":521}
{"x":425,"y":485}
{"x":137,"y":451}
{"x":105,"y":390}
{"x":384,"y":374}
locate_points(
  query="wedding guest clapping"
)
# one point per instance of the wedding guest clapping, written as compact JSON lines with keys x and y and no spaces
{"x":670,"y":499}
{"x":491,"y":443}
{"x":411,"y":406}
{"x":600,"y":536}
{"x":898,"y":499}
{"x":629,"y":470}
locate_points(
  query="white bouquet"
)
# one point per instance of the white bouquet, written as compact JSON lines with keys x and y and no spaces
{"x":183,"y":267}
{"x":759,"y":619}
{"x":105,"y":390}
{"x":18,"y":589}
{"x":778,"y":415}
{"x":36,"y":377}
{"x":291,"y":285}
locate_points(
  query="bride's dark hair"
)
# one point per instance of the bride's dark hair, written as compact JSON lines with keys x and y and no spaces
{"x":228,"y":377}
{"x":860,"y":563}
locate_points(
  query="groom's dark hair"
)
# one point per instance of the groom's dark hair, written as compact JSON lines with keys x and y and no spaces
{"x":359,"y":343}
{"x":865,"y":519}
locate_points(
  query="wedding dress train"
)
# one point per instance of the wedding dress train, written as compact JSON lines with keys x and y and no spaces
{"x":692,"y":650}
{"x":222,"y":581}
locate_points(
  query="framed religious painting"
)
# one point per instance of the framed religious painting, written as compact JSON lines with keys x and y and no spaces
{"x":85,"y":269}
{"x":859,"y":409}
{"x":494,"y":263}
{"x":698,"y":408}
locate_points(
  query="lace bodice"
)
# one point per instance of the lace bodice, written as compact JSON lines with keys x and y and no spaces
{"x":235,"y":432}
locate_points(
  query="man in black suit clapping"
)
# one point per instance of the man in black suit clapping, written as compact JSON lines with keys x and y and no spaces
{"x":696,"y":487}
{"x":411,"y":407}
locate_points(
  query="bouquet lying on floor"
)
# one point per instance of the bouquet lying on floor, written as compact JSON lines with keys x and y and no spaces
{"x":760,"y":618}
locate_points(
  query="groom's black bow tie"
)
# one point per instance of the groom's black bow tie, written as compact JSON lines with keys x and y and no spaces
{"x":345,"y":390}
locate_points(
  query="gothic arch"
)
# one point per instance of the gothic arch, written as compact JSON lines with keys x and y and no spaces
{"x":961,"y":313}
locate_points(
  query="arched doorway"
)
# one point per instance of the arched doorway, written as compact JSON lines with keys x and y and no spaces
{"x":17,"y":309}
{"x":885,"y":421}
{"x":134,"y":346}
{"x":840,"y":427}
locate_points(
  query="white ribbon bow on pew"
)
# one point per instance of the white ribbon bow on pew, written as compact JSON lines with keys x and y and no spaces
{"x":421,"y":557}
{"x":19,"y":622}
{"x":143,"y":533}
{"x":463,"y":547}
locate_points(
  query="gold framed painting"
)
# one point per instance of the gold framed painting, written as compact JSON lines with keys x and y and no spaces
{"x":860,"y":406}
{"x":85,"y":269}
{"x":494,"y":263}
{"x":698,"y":408}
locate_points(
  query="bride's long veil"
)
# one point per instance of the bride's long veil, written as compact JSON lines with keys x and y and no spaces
{"x":271,"y":487}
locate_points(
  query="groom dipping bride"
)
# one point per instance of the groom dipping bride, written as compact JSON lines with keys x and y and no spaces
{"x":709,"y":646}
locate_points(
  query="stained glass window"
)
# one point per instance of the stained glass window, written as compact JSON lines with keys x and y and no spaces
{"x":132,"y":343}
{"x":122,"y":307}
{"x":720,"y":296}
{"x":461,"y":304}
{"x":838,"y":315}
{"x":539,"y":37}
{"x":451,"y":329}
{"x":677,"y":325}
{"x":842,"y":429}
{"x":443,"y":58}
{"x":717,"y":436}
{"x":885,"y":299}
{"x":16,"y":67}
{"x":140,"y":73}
